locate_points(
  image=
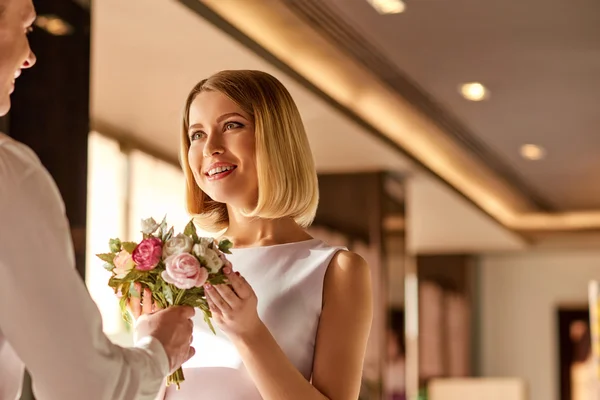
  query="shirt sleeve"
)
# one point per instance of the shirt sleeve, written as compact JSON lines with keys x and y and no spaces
{"x":46,"y":313}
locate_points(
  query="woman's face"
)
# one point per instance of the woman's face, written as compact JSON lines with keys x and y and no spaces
{"x":222,"y":153}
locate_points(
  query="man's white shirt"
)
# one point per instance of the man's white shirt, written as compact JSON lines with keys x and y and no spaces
{"x":48,"y":321}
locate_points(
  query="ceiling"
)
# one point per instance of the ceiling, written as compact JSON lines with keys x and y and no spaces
{"x":399,"y":74}
{"x":143,"y":68}
{"x":539,"y":58}
{"x":145,"y":59}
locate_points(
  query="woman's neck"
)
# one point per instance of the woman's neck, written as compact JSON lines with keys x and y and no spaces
{"x":251,"y":232}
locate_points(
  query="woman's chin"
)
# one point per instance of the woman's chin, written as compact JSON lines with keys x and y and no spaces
{"x":229,"y":197}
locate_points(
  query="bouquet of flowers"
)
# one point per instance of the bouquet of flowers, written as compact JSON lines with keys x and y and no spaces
{"x":174,"y":268}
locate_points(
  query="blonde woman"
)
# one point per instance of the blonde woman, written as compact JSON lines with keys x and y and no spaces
{"x":295,"y":323}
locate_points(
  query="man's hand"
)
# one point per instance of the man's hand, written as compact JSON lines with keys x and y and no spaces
{"x":173,"y":328}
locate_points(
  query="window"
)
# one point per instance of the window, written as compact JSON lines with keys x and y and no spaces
{"x":105,"y":216}
{"x":123,"y":188}
{"x":156,"y":189}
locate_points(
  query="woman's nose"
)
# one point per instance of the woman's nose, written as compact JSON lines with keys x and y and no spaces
{"x":213,"y":147}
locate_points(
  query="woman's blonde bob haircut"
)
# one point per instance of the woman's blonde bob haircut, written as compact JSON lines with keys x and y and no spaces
{"x":287,"y":179}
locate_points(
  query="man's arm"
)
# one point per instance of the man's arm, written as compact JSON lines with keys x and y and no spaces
{"x":46,"y":314}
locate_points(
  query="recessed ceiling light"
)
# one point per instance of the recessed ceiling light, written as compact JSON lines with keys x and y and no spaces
{"x":53,"y":25}
{"x":474,"y":91}
{"x":388,"y":6}
{"x":532,"y":152}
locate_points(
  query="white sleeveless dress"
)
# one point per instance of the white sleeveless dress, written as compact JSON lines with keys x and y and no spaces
{"x":288,"y":281}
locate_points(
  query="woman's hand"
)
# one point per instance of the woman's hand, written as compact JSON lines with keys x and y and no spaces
{"x":233,"y":307}
{"x":142,"y":305}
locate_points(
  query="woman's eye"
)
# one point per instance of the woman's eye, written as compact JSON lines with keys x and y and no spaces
{"x":196,"y":136}
{"x":232,"y":125}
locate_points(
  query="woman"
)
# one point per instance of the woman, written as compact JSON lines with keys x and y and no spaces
{"x":294,"y":324}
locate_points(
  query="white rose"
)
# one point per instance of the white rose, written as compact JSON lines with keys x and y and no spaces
{"x":149,"y":226}
{"x":209,"y":257}
{"x":206,"y":241}
{"x":177,"y":245}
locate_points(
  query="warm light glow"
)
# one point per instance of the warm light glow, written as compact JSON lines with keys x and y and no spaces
{"x":105,"y":213}
{"x":123,"y":189}
{"x":388,"y":6}
{"x":54,"y":25}
{"x":361,"y":93}
{"x":532,"y":152}
{"x":474,"y":91}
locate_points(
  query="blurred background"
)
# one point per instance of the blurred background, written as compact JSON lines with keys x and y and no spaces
{"x":456,"y":144}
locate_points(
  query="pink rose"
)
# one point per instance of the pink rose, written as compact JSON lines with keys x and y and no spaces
{"x":147,"y":254}
{"x":123,"y":264}
{"x":184,"y":271}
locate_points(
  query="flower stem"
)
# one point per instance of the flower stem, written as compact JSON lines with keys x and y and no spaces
{"x":179,"y":297}
{"x":176,"y":378}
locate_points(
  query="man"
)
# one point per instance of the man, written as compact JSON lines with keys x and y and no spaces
{"x":47,"y":319}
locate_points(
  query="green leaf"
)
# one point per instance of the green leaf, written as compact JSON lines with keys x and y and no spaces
{"x":133,"y":291}
{"x":217,"y":279}
{"x":209,"y":323}
{"x":168,"y":294}
{"x":179,"y":296}
{"x":124,"y":291}
{"x":195,"y":292}
{"x":114,"y":282}
{"x":106,"y":257}
{"x":160,"y":300}
{"x":158,"y":284}
{"x":114,"y":245}
{"x":225,"y":245}
{"x":108,"y":266}
{"x":135,"y":275}
{"x":124,"y":312}
{"x":190,"y":230}
{"x":162,"y":228}
{"x":129,"y":247}
{"x":191,"y":297}
{"x":169,"y":235}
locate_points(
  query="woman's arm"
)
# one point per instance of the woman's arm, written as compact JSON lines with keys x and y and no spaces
{"x":341,"y":338}
{"x":344,"y":327}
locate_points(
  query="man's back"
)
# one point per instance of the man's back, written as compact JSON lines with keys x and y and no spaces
{"x":16,"y":162}
{"x":48,"y":321}
{"x":58,"y":337}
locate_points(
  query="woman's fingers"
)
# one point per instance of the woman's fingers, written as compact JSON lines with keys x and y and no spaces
{"x":135,"y":307}
{"x":147,"y":302}
{"x":144,"y":304}
{"x":135,"y":303}
{"x":228,"y":295}
{"x":240,"y":285}
{"x":214,"y":309}
{"x":216,"y":298}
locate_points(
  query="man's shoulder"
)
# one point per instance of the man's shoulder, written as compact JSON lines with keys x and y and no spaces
{"x":9,"y":145}
{"x":16,"y":159}
{"x":23,"y":178}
